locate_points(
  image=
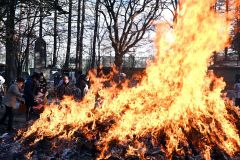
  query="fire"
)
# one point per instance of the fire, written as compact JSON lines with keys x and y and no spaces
{"x":177,"y":106}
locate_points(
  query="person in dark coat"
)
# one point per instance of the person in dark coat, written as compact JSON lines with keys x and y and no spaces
{"x":30,"y":90}
{"x":83,"y":84}
{"x":42,"y":85}
{"x":41,"y":96}
{"x":57,"y":79}
{"x":65,"y":88}
{"x":10,"y":101}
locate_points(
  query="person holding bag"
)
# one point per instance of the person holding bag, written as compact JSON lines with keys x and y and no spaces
{"x":10,"y":101}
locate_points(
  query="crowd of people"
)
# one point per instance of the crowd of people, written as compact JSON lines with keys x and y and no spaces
{"x":33,"y":94}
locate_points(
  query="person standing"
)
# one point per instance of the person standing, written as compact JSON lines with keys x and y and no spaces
{"x":42,"y":87}
{"x":10,"y":101}
{"x":83,"y":84}
{"x":65,"y":88}
{"x":42,"y":93}
{"x":30,"y":90}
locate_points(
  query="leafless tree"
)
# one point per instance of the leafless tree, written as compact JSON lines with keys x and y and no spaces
{"x":79,"y":60}
{"x":128,"y":21}
{"x":95,"y":34}
{"x":26,"y":38}
{"x":66,"y":65}
{"x":11,"y":50}
{"x":78,"y":34}
{"x":55,"y":36}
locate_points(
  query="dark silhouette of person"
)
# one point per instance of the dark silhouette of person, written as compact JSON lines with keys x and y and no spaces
{"x":30,"y":90}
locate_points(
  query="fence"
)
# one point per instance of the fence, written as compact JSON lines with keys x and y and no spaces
{"x":107,"y":61}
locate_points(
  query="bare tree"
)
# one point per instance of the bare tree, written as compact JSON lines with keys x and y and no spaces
{"x":55,"y":36}
{"x":226,"y":48}
{"x":78,"y":33}
{"x":10,"y":43}
{"x":80,"y":67}
{"x":174,"y":4}
{"x":66,"y":65}
{"x":95,"y":34}
{"x":236,"y":38}
{"x":26,"y":39}
{"x":100,"y":38}
{"x":127,"y":22}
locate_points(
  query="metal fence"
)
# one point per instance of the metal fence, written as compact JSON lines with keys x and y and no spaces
{"x":107,"y":61}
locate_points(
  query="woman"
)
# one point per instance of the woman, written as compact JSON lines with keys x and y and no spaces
{"x":10,"y":101}
{"x":65,"y":88}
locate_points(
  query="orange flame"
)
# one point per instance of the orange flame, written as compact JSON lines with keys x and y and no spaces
{"x":178,"y":99}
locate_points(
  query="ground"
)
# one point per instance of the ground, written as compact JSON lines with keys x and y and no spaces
{"x":19,"y":120}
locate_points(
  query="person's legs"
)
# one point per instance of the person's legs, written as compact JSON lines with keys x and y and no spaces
{"x":27,"y":112}
{"x":4,"y":116}
{"x":1,"y":99}
{"x":10,"y":117}
{"x":27,"y":107}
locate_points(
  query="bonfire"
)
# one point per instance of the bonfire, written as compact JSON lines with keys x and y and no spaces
{"x":176,"y":110}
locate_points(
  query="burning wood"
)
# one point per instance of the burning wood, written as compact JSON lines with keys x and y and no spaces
{"x":172,"y":113}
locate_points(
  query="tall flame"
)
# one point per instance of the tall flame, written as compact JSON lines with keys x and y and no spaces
{"x":177,"y":99}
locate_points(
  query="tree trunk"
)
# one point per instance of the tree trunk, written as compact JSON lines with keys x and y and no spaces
{"x":118,"y":60}
{"x":19,"y":70}
{"x":27,"y":55}
{"x":26,"y":64}
{"x":25,"y":59}
{"x":99,"y":56}
{"x":10,"y":44}
{"x":237,"y":27}
{"x":66,"y":65}
{"x":226,"y":48}
{"x":95,"y":34}
{"x":176,"y":5}
{"x":55,"y":37}
{"x":78,"y":34}
{"x":81,"y":36}
{"x":41,"y":20}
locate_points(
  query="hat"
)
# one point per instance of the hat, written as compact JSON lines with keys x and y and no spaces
{"x":35,"y":75}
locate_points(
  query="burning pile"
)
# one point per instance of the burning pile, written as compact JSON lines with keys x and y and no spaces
{"x":177,"y":107}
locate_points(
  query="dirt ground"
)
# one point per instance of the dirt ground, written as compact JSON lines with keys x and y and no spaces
{"x":19,"y":120}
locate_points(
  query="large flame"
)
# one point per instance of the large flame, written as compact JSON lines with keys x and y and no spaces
{"x":177,"y":104}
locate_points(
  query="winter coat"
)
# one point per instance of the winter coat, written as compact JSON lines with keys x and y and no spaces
{"x":13,"y":93}
{"x":65,"y":90}
{"x":30,"y":90}
{"x":42,"y":86}
{"x":82,"y":84}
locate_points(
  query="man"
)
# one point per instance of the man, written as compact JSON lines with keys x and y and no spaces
{"x":42,"y":87}
{"x":10,"y":101}
{"x":65,"y":88}
{"x":30,"y":90}
{"x":83,"y":84}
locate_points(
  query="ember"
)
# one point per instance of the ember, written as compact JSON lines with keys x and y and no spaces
{"x":172,"y":113}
